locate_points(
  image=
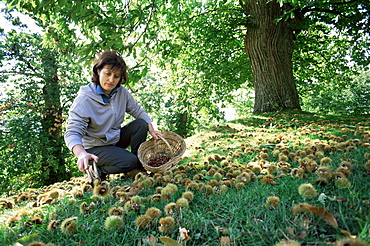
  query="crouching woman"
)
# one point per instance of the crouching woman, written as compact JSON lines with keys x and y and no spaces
{"x":94,"y":131}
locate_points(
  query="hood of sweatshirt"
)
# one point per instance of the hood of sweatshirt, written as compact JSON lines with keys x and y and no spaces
{"x":90,"y":91}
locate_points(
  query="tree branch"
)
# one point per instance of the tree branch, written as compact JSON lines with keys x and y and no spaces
{"x":243,"y":6}
{"x":38,"y":75}
{"x":330,"y":11}
{"x":146,"y":26}
{"x":315,"y":9}
{"x":343,"y":3}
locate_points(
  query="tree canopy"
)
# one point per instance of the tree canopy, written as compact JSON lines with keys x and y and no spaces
{"x":278,"y":38}
{"x":186,"y":59}
{"x":33,"y":108}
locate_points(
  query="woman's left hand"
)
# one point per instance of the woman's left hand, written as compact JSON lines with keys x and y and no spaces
{"x":153,"y":132}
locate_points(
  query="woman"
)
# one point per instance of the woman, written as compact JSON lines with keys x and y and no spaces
{"x":94,"y":132}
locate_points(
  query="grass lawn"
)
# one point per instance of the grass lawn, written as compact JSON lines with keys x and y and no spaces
{"x":286,"y":178}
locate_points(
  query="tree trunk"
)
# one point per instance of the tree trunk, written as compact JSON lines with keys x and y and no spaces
{"x":269,"y":47}
{"x":182,"y":124}
{"x":54,"y":165}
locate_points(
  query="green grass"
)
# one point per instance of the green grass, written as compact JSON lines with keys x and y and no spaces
{"x":238,"y":214}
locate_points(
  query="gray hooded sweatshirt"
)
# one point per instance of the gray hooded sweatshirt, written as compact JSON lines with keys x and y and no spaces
{"x":93,"y":123}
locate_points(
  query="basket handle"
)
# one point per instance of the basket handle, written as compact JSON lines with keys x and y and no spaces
{"x":169,"y":146}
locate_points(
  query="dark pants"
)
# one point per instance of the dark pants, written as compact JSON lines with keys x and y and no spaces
{"x":115,"y":158}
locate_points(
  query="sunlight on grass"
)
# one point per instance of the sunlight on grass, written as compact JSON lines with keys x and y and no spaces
{"x":274,"y":179}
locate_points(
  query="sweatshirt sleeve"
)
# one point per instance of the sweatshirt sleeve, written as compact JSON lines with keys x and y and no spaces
{"x":77,"y":124}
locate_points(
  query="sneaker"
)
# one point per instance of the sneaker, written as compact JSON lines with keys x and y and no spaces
{"x":103,"y":176}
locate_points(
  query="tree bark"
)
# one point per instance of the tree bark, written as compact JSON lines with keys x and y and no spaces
{"x":269,"y":47}
{"x":54,"y":164}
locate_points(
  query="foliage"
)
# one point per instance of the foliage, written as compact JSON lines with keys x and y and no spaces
{"x":348,"y":100}
{"x":198,"y":47}
{"x":38,"y":90}
{"x":329,"y":69}
{"x":93,"y":26}
{"x":202,"y":42}
{"x":192,"y":36}
{"x":172,"y":104}
{"x":239,"y":214}
{"x":193,"y":89}
{"x":146,"y":42}
{"x":165,"y":110}
{"x":242,"y":102}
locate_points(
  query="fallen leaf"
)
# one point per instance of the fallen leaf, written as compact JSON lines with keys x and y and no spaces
{"x":328,"y":217}
{"x":291,"y":231}
{"x":225,"y":241}
{"x":225,"y":230}
{"x":301,"y":235}
{"x":169,"y":241}
{"x":133,"y":191}
{"x":306,"y":222}
{"x":135,"y":183}
{"x":80,"y":242}
{"x":28,"y":239}
{"x":273,"y":183}
{"x":347,"y":233}
{"x":152,"y":239}
{"x":184,"y":234}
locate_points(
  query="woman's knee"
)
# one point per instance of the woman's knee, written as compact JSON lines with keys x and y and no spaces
{"x":134,"y":161}
{"x":130,"y":162}
{"x":142,"y":124}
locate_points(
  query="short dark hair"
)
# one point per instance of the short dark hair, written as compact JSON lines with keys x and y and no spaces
{"x":113,"y":58}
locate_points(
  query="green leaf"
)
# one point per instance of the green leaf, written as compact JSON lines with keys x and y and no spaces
{"x":28,"y":239}
{"x":169,"y":241}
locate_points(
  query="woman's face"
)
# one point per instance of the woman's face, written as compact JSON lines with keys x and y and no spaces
{"x":109,"y":78}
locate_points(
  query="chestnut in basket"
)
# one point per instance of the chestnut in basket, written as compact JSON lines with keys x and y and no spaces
{"x":159,"y":161}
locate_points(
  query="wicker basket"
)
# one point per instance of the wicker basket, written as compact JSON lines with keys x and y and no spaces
{"x":170,"y":145}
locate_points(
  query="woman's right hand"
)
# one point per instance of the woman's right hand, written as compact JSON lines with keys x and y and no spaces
{"x":83,"y":157}
{"x":83,"y":161}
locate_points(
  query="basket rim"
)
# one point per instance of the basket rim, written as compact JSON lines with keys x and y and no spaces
{"x":174,"y":159}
